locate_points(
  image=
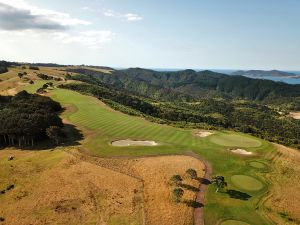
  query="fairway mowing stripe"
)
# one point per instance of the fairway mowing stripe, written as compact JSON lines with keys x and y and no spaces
{"x":151,"y":131}
{"x":123,"y":130}
{"x":134,"y":129}
{"x":159,"y":134}
{"x":127,"y":128}
{"x":173,"y":138}
{"x":116,"y":128}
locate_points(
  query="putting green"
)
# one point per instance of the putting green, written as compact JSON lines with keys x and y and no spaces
{"x":234,"y":222}
{"x":257,"y":165}
{"x":246,"y":183}
{"x":234,"y":140}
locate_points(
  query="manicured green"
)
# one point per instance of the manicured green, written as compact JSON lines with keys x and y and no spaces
{"x":234,"y":140}
{"x":257,"y":165}
{"x":105,"y":125}
{"x":234,"y":222}
{"x":246,"y":183}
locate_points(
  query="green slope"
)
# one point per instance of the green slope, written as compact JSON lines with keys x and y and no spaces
{"x":106,"y":125}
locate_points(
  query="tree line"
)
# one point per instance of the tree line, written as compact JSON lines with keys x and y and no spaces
{"x":26,"y":119}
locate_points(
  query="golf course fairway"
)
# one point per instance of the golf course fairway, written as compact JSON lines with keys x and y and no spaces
{"x":101,"y":125}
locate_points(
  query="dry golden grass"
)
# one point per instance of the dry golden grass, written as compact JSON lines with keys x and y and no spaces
{"x":156,"y":173}
{"x":284,"y":201}
{"x":57,"y":188}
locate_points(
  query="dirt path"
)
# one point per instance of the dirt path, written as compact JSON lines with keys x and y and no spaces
{"x":199,"y":212}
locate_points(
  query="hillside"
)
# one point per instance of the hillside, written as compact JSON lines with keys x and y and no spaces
{"x":264,"y":73}
{"x":189,"y":84}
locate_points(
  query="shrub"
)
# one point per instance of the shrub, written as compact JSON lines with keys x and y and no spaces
{"x":178,"y":193}
{"x":176,"y":178}
{"x":192,"y":173}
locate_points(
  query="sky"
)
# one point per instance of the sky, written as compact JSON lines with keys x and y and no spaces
{"x":194,"y":34}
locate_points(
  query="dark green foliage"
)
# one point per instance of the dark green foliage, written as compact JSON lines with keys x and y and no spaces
{"x":178,"y":193}
{"x":176,"y":178}
{"x":55,"y":133}
{"x":192,"y":173}
{"x":31,"y":67}
{"x":45,"y":76}
{"x":219,"y":181}
{"x":25,"y":118}
{"x":190,"y":85}
{"x":9,"y":187}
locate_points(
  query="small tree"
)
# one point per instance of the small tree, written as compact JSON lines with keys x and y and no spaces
{"x":20,"y":75}
{"x":55,"y":133}
{"x":219,"y":181}
{"x":176,"y":179}
{"x":192,"y":173}
{"x":178,"y":193}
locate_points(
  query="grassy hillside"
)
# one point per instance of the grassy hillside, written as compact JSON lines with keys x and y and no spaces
{"x":249,"y":177}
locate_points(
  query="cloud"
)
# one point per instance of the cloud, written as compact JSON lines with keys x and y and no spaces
{"x":94,"y":39}
{"x":18,"y":15}
{"x":12,"y":18}
{"x":128,"y":17}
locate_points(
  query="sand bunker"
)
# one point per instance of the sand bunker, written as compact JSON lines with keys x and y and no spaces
{"x":124,"y":143}
{"x":295,"y":115}
{"x":203,"y":133}
{"x":240,"y":151}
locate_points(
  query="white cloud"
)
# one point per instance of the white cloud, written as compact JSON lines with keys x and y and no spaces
{"x":64,"y":19}
{"x":128,"y":16}
{"x":22,"y":22}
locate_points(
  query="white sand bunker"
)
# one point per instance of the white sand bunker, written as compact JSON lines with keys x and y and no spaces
{"x":124,"y":143}
{"x":240,"y":151}
{"x":203,"y":133}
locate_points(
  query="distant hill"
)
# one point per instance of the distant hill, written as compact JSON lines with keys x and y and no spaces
{"x":188,"y":84}
{"x":264,"y":73}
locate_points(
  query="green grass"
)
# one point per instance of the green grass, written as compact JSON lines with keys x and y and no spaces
{"x":234,"y":222}
{"x":106,"y":125}
{"x":246,"y":183}
{"x":234,"y":140}
{"x":257,"y":165}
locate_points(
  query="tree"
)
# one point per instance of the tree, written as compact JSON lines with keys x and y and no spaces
{"x":176,"y":179}
{"x":192,"y":173}
{"x":55,"y":133}
{"x":178,"y":193}
{"x":219,"y":181}
{"x":20,"y":75}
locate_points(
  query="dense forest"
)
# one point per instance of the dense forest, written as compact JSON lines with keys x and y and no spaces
{"x":26,"y":119}
{"x":189,"y":85}
{"x":239,"y":115}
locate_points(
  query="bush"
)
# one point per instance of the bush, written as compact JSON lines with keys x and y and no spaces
{"x":1,"y":219}
{"x":178,"y":193}
{"x":192,"y":173}
{"x":176,"y":179}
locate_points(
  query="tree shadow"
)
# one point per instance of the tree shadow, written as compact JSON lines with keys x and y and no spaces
{"x":72,"y":137}
{"x":238,"y":195}
{"x":203,"y":180}
{"x":189,"y":187}
{"x":192,"y":203}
